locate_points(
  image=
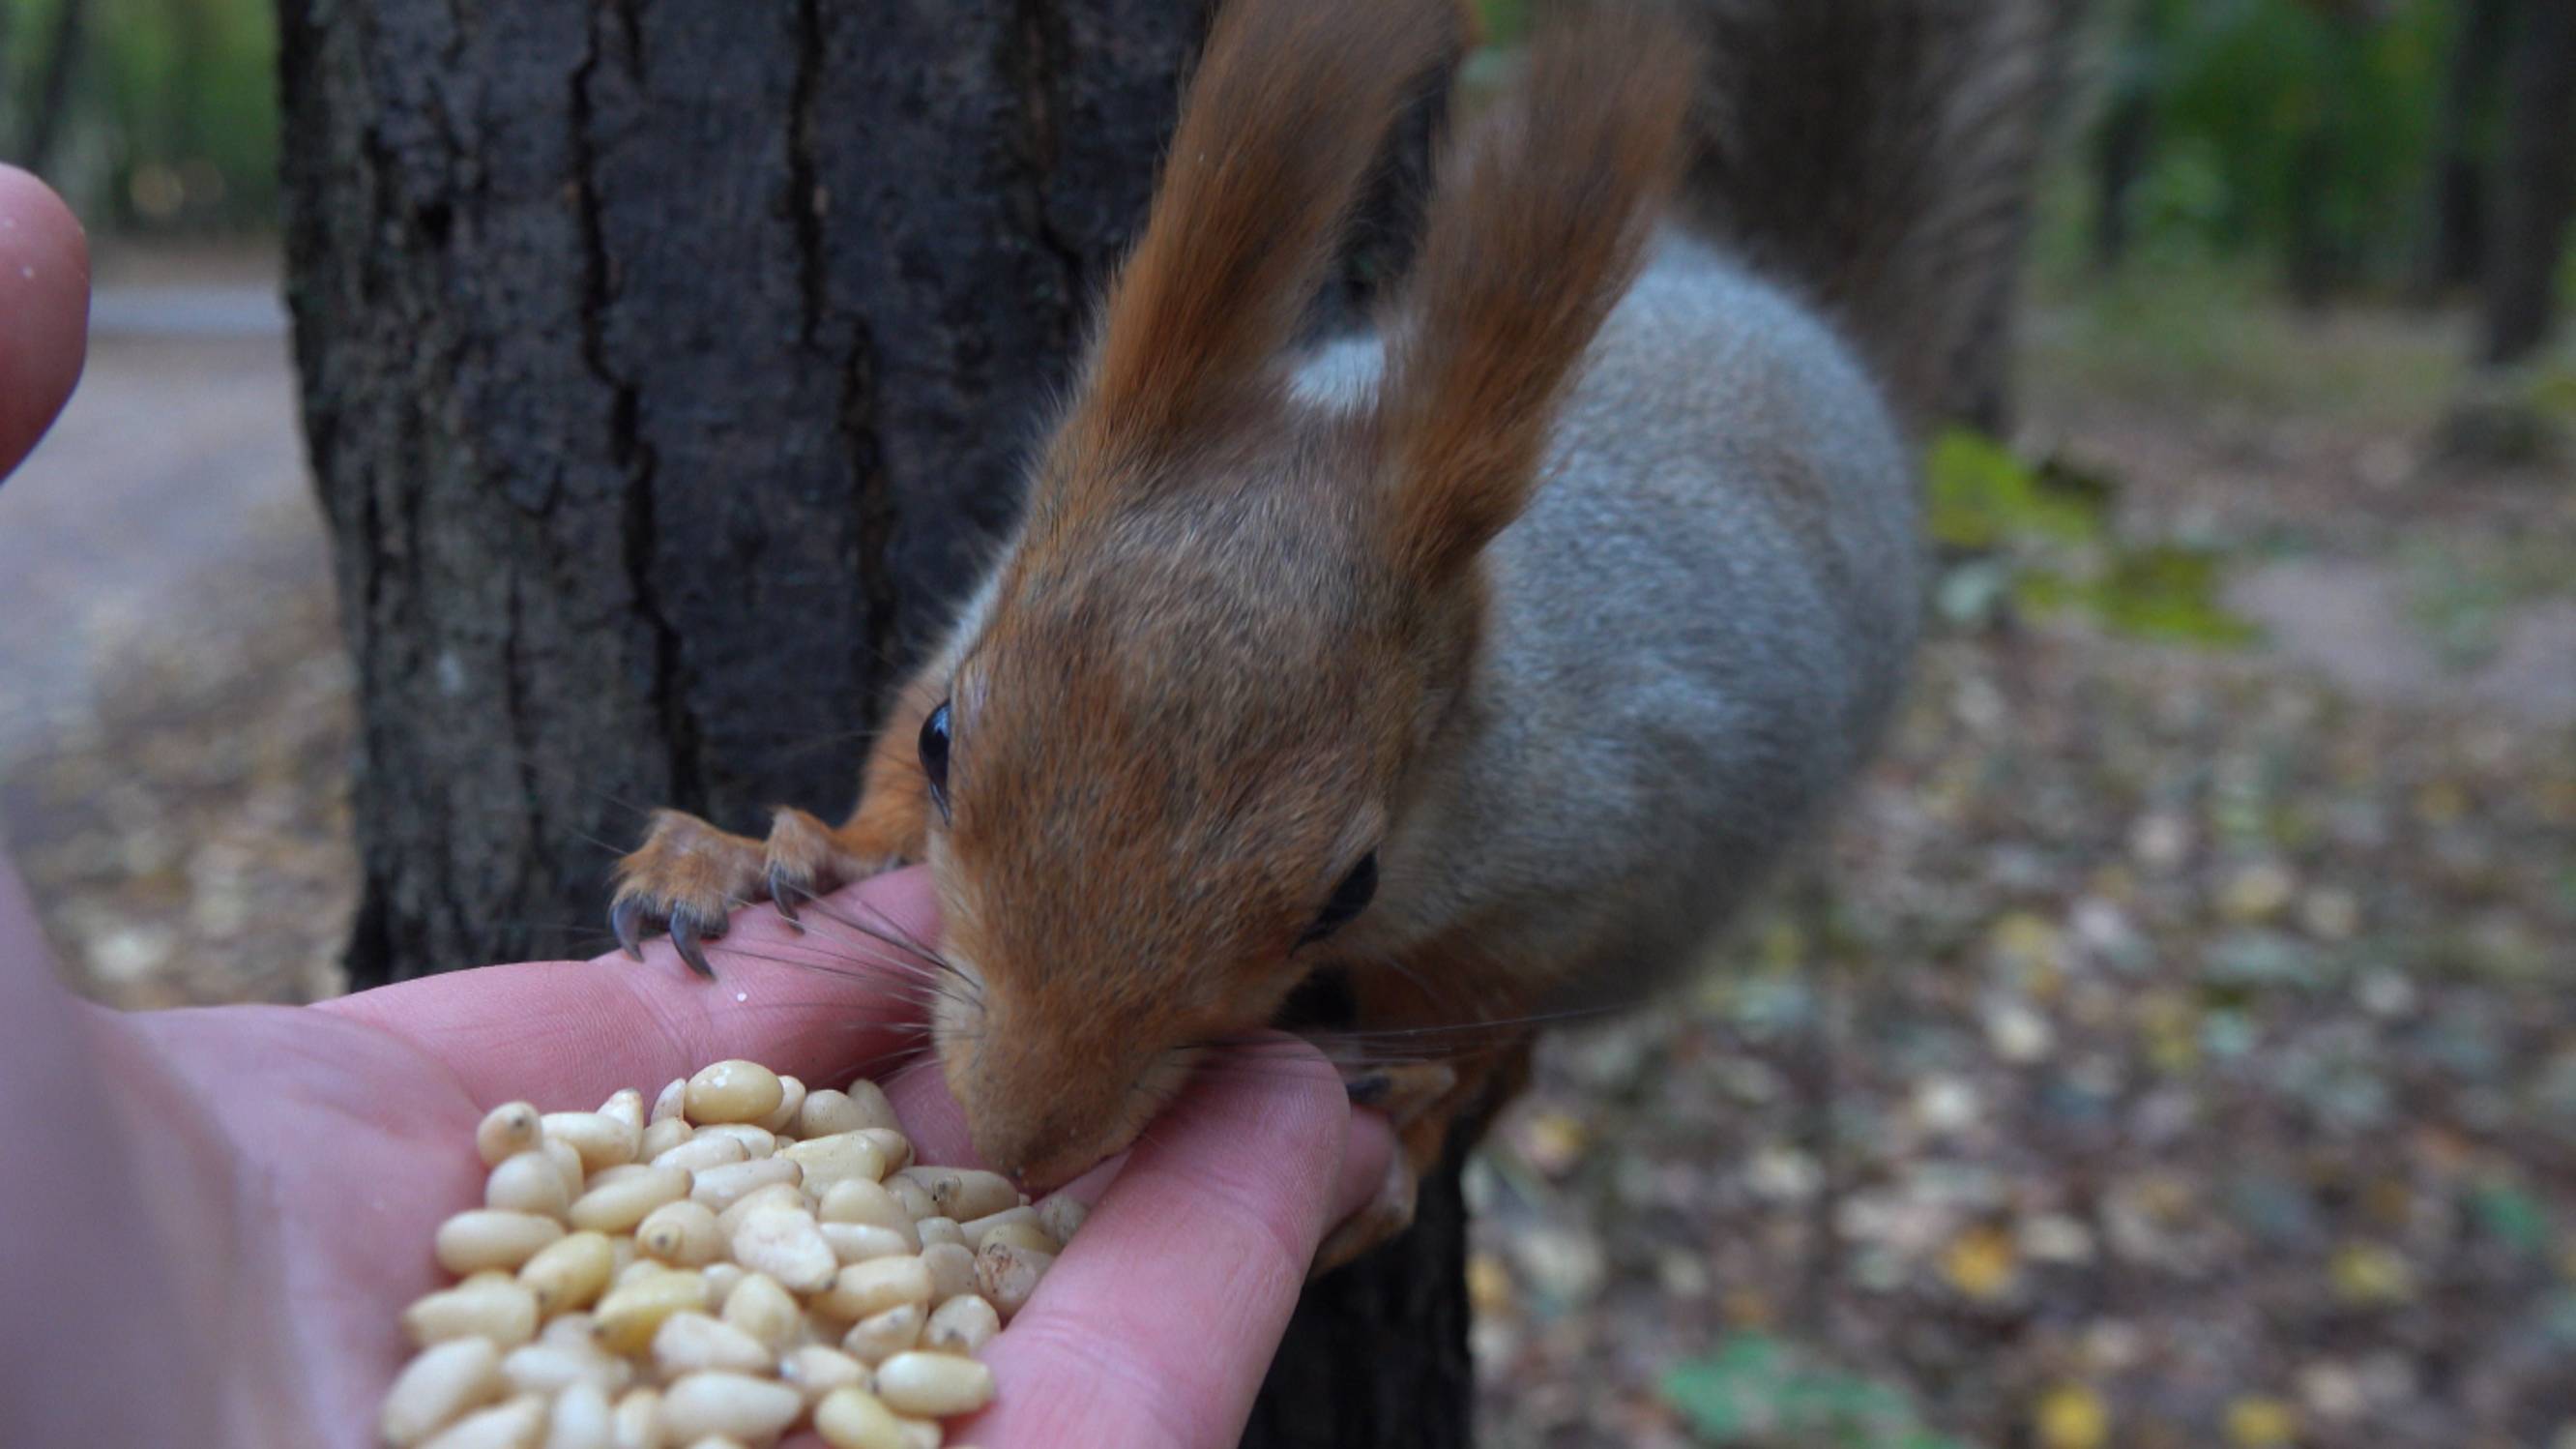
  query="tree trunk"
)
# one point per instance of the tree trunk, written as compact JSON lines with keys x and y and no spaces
{"x":47,"y":123}
{"x":2455,"y":220}
{"x":667,"y":368}
{"x":2535,"y":181}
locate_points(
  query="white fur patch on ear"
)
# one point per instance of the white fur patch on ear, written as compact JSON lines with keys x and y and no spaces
{"x":1340,"y":376}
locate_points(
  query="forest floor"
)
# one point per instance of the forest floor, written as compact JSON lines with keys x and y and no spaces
{"x":2171,"y":1044}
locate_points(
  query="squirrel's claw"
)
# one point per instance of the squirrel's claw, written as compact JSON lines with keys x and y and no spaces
{"x":688,"y":935}
{"x":786,"y":888}
{"x":626,"y":918}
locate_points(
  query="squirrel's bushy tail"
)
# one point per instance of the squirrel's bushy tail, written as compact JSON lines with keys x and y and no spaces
{"x":1879,"y":154}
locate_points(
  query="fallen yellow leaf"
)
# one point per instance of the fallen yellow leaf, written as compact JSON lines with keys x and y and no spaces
{"x":2071,"y":1416}
{"x":1981,"y":1262}
{"x":2257,"y":1421}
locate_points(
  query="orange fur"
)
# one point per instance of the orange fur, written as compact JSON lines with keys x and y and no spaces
{"x":1286,"y":112}
{"x":1539,"y":224}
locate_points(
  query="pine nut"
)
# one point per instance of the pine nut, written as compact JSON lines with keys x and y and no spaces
{"x":572,"y":1329}
{"x":963,"y":1324}
{"x":755,"y":1244}
{"x":976,"y":1229}
{"x":934,"y":1385}
{"x":1062,"y":1217}
{"x":617,"y":1206}
{"x":625,"y":1320}
{"x":787,"y":1245}
{"x":873,"y":1104}
{"x":551,"y":1368}
{"x":880,"y":1336}
{"x":964,"y":1193}
{"x":625,"y":1105}
{"x":481,"y":1238}
{"x":525,"y":1182}
{"x":567,"y":1165}
{"x":853,"y":1201}
{"x":601,"y":1141}
{"x":438,"y":1386}
{"x":681,"y":1233}
{"x":638,"y":1420}
{"x":760,"y":1307}
{"x":756,"y":1141}
{"x":771,"y":1198}
{"x":896,"y":1147}
{"x":667,"y":1107}
{"x":721,"y":1187}
{"x":739,"y":1405}
{"x":840,"y":1158}
{"x":569,"y":1273}
{"x":506,"y":1131}
{"x":1006,"y":1274}
{"x":580,"y":1420}
{"x":662,"y":1137}
{"x":853,"y":1418}
{"x":702,"y":1152}
{"x":733,"y":1091}
{"x":872,"y":1287}
{"x":689,"y":1341}
{"x":858,"y":1242}
{"x":791,"y":1100}
{"x":1024,"y":1235}
{"x":515,"y":1425}
{"x":826,"y":1112}
{"x":493,"y":1308}
{"x":816,"y":1371}
{"x":952,"y":1270}
{"x":913,"y":1198}
{"x":723,"y":1278}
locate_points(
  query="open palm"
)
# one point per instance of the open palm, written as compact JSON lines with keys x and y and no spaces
{"x":305,"y":1157}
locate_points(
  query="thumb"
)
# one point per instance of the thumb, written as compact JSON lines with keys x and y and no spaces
{"x":44,"y":310}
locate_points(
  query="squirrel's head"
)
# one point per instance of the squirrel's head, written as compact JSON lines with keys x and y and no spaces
{"x":1192,"y":702}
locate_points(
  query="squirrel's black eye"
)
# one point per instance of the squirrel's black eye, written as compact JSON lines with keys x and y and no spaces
{"x":1349,"y":899}
{"x":934,"y":755}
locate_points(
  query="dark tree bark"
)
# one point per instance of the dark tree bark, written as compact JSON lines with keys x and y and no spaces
{"x":47,"y":122}
{"x":668,"y":367}
{"x":2535,"y":181}
{"x":2455,"y":211}
{"x":2124,"y":138}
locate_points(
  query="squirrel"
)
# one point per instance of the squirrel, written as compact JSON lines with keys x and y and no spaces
{"x":1471,"y":669}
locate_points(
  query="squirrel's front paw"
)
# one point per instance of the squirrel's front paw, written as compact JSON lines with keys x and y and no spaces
{"x":807,"y":859}
{"x":685,"y":879}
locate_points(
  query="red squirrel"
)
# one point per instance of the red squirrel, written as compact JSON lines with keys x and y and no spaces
{"x":1475,"y":666}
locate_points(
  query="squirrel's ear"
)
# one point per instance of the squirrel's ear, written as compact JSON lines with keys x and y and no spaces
{"x":1539,"y":222}
{"x":1289,"y":106}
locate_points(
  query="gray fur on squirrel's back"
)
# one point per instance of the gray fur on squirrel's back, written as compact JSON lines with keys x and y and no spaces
{"x":1698,"y":628}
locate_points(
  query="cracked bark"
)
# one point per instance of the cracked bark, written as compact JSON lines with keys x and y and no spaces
{"x":667,"y":371}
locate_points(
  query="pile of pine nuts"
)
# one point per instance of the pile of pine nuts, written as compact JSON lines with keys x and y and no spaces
{"x":749,"y":1259}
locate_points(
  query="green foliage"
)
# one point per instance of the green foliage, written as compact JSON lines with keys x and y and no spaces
{"x":2039,"y":538}
{"x":2301,"y":132}
{"x":1756,"y":1389}
{"x":172,"y":114}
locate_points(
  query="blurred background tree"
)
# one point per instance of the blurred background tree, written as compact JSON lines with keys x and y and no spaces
{"x":2337,"y":149}
{"x":151,"y":115}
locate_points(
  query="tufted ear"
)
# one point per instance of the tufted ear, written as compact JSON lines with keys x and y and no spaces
{"x":1540,"y":221}
{"x":1284,"y":117}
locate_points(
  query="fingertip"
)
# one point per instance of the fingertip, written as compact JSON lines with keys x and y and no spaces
{"x":1366,"y":1153}
{"x":44,"y":310}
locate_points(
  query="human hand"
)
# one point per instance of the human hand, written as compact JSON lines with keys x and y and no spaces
{"x":218,"y":1214}
{"x":305,"y":1156}
{"x":44,"y":310}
